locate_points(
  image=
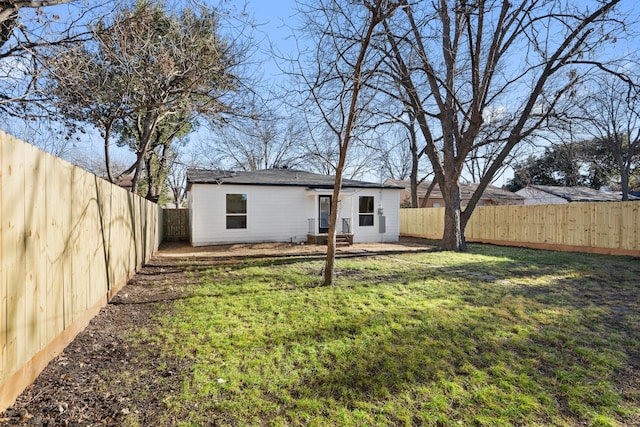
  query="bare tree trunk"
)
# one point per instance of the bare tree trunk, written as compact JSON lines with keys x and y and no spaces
{"x":137,"y":168}
{"x":150,"y":177}
{"x":414,"y":190}
{"x":453,"y":237}
{"x":107,"y":153}
{"x":145,"y":133}
{"x":415,"y":159}
{"x":428,"y":193}
{"x":379,"y":12}
{"x":162,"y":172}
{"x":624,"y":181}
{"x":329,"y":271}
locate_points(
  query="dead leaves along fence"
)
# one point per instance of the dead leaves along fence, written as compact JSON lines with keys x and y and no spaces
{"x":608,"y":228}
{"x":68,"y":242}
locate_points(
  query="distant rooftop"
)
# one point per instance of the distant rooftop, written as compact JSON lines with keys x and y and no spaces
{"x":466,"y":191}
{"x":277,"y":177}
{"x":578,"y":194}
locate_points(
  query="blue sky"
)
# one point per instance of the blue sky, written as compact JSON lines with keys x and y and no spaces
{"x":274,"y":15}
{"x":273,"y":20}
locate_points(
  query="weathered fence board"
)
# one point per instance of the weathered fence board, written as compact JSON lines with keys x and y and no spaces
{"x":68,"y":241}
{"x":612,"y":227}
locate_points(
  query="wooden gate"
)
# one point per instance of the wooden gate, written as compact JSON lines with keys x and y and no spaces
{"x":176,"y":224}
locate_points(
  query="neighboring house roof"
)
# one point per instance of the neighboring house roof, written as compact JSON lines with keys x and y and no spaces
{"x":498,"y":195}
{"x":276,"y":177}
{"x":125,"y":182}
{"x":578,"y":194}
{"x":634,"y":194}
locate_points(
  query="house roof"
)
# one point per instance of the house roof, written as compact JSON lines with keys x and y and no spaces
{"x":466,"y":191}
{"x":125,"y":181}
{"x":578,"y":194}
{"x":275,"y":177}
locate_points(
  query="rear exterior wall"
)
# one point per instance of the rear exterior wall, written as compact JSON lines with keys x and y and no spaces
{"x":282,"y":214}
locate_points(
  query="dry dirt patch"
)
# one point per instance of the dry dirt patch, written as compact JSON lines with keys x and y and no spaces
{"x":181,"y":250}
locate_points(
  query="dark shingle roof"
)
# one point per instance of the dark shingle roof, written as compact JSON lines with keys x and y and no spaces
{"x":466,"y":191}
{"x":277,"y":177}
{"x":578,"y":194}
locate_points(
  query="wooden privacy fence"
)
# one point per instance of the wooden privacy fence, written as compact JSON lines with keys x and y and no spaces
{"x":175,"y":224}
{"x":612,"y":227}
{"x":68,"y":242}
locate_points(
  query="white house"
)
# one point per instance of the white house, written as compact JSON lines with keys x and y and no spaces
{"x":286,"y":205}
{"x":547,"y":194}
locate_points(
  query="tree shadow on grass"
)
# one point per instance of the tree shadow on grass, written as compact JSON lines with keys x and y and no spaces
{"x":552,"y":339}
{"x":494,"y":346}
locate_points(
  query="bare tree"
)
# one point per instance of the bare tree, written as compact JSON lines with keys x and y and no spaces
{"x":335,"y":78}
{"x":321,"y":154}
{"x":402,"y":149}
{"x":178,"y":163}
{"x":417,"y":152}
{"x":9,"y":14}
{"x":260,"y":142}
{"x":27,"y":28}
{"x":45,"y":133}
{"x":612,"y":113}
{"x":395,"y":156}
{"x":457,"y":59}
{"x":482,"y":157}
{"x":177,"y":182}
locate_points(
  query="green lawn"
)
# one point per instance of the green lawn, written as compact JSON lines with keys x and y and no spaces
{"x":495,"y":336}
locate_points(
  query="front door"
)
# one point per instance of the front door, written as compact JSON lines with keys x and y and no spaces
{"x":324,"y":213}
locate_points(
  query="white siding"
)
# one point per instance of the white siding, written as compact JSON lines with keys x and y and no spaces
{"x":281,"y":214}
{"x":274,"y":214}
{"x":389,"y":201}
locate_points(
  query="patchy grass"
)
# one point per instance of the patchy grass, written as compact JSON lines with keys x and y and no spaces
{"x":496,"y":336}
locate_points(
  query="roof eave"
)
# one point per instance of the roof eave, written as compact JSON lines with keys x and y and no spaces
{"x":293,"y":184}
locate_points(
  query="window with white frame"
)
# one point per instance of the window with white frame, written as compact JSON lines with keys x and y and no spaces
{"x":365,"y":211}
{"x":236,"y":211}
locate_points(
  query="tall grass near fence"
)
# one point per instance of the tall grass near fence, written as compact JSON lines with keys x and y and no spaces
{"x":68,"y":241}
{"x":611,"y":228}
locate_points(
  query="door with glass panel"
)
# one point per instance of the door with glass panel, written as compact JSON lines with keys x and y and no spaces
{"x":324,"y":213}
